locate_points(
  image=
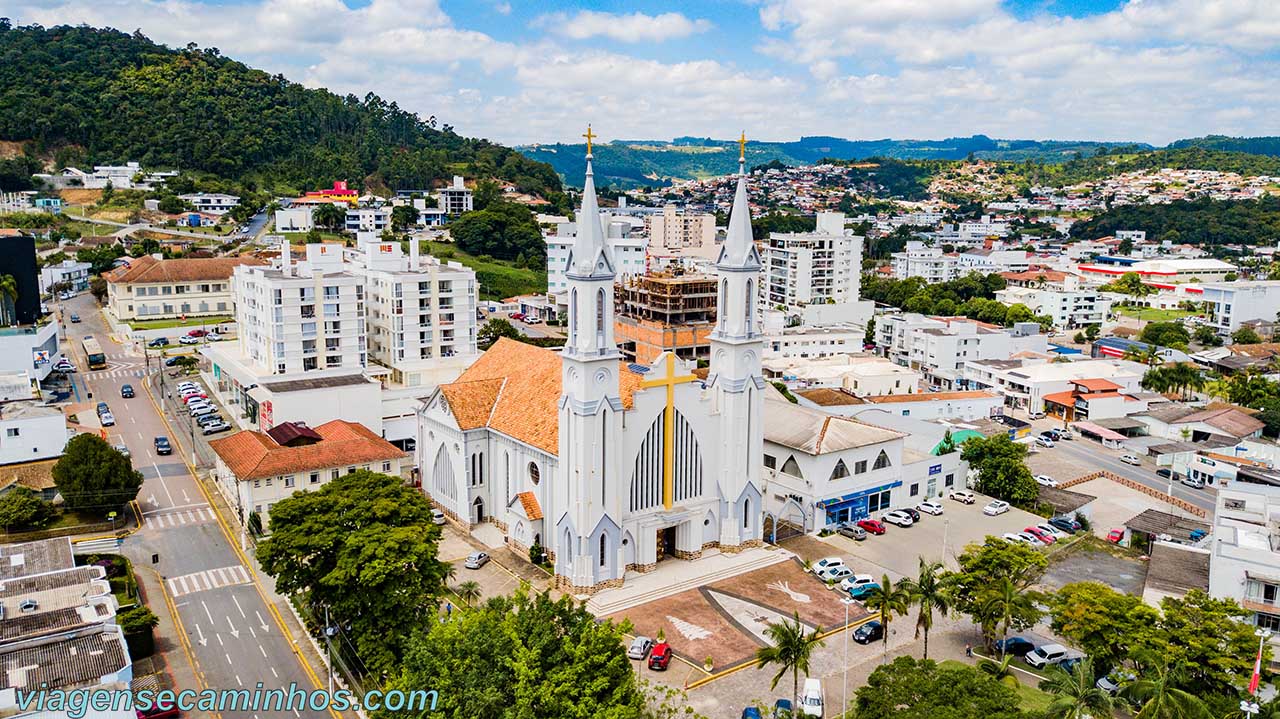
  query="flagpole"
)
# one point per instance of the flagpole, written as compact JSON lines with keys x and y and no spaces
{"x":1250,"y":706}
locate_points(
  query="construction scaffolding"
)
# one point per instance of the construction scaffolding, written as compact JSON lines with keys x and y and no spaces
{"x":665,"y":312}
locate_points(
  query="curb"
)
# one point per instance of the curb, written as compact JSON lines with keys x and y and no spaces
{"x":754,"y":662}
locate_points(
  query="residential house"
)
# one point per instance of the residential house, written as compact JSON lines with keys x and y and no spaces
{"x":153,"y":288}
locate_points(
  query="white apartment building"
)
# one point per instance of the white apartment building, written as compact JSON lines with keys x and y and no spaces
{"x":988,"y":261}
{"x":368,"y":219}
{"x":421,"y":314}
{"x":69,"y":271}
{"x":1068,"y":308}
{"x":1244,"y":561}
{"x":456,"y":198}
{"x":939,"y":347}
{"x":627,"y":250}
{"x":921,"y":260}
{"x":1233,"y":303}
{"x":982,"y":229}
{"x":1025,"y":382}
{"x":806,"y":268}
{"x":295,"y":219}
{"x":808,"y":341}
{"x":211,"y":202}
{"x":675,"y":232}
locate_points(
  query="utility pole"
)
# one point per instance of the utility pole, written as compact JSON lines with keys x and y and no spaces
{"x":329,"y":631}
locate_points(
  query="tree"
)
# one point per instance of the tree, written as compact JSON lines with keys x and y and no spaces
{"x":522,"y":656}
{"x":495,"y":329}
{"x":92,"y":476}
{"x":1206,"y":336}
{"x":1126,"y":246}
{"x":486,"y":193}
{"x":172,"y":205}
{"x":329,"y":216}
{"x":108,"y":191}
{"x":1208,"y":637}
{"x":364,"y":546}
{"x":502,"y":230}
{"x":402,"y":216}
{"x":1165,"y":334}
{"x":1175,"y":377}
{"x":791,"y":649}
{"x":1158,"y":694}
{"x":1001,"y":470}
{"x":947,"y":445}
{"x":929,"y":593}
{"x":1018,"y":313}
{"x":8,"y":296}
{"x":887,"y":599}
{"x":98,"y":288}
{"x":922,"y":689}
{"x":1006,"y":603}
{"x":468,"y":591}
{"x":869,"y":337}
{"x":986,"y":565}
{"x":101,"y":258}
{"x":1105,"y":624}
{"x":1075,"y":694}
{"x":20,"y":508}
{"x":1242,"y":336}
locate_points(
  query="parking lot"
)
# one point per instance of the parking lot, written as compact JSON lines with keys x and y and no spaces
{"x":934,"y":538}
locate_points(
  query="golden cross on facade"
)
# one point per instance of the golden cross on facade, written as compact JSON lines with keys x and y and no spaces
{"x":742,"y":146}
{"x":590,"y":136}
{"x":668,"y":426}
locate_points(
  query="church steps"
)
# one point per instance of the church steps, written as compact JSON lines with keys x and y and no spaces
{"x":604,"y":603}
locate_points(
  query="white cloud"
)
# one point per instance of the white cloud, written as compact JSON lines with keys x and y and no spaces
{"x":633,"y":27}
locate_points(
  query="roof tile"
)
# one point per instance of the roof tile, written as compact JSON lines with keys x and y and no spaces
{"x":254,"y":455}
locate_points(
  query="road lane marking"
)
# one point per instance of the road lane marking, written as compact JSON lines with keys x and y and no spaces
{"x":207,"y":613}
{"x":241,"y":609}
{"x":162,"y":483}
{"x":206,"y":580}
{"x":264,"y":651}
{"x":234,"y":632}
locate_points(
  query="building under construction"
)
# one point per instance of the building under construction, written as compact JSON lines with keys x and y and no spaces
{"x":665,"y":311}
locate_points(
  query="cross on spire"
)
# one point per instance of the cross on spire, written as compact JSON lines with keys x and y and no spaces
{"x":590,"y":136}
{"x":742,"y":147}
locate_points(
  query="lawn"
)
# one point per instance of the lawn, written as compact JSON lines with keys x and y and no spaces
{"x":300,"y":238}
{"x":1152,"y":314}
{"x":1032,"y":699}
{"x":498,"y":279}
{"x":188,"y":322}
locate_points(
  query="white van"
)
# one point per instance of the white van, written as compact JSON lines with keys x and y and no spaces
{"x":811,"y":698}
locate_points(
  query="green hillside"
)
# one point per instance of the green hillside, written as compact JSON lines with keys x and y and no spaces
{"x":84,"y":95}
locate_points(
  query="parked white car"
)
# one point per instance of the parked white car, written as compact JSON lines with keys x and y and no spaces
{"x":1046,"y":655}
{"x":1045,"y":480}
{"x":898,"y":517}
{"x":1044,"y":442}
{"x":963,"y":496}
{"x":857,"y":580}
{"x":826,"y":563}
{"x":929,"y":507}
{"x":835,"y":574}
{"x":1051,"y":530}
{"x":996,"y":506}
{"x":1015,"y":538}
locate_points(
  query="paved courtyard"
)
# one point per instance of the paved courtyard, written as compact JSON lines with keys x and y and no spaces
{"x":725,"y":620}
{"x":1125,"y":574}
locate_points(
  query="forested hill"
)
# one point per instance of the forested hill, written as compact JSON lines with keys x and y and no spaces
{"x":87,"y":95}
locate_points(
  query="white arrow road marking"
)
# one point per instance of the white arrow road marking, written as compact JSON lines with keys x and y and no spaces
{"x":261,"y":622}
{"x":234,"y":632}
{"x":200,"y":633}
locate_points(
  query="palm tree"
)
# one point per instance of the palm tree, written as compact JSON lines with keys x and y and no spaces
{"x":1160,"y":696}
{"x":999,"y":670}
{"x":930,"y":593}
{"x":1005,"y":601}
{"x":887,"y":599}
{"x":468,"y":591}
{"x":8,"y":296}
{"x":329,"y":215}
{"x":1075,"y":694}
{"x":791,"y":650}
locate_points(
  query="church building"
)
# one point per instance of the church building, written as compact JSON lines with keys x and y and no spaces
{"x":609,"y":466}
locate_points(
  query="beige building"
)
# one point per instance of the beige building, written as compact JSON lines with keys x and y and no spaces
{"x":151,"y":288}
{"x":675,"y":232}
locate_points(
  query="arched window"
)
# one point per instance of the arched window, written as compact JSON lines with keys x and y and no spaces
{"x":534,"y":474}
{"x":600,"y":313}
{"x":604,"y":456}
{"x":746,"y":513}
{"x":602,"y":549}
{"x":723,"y":305}
{"x":573,"y":315}
{"x":749,"y":310}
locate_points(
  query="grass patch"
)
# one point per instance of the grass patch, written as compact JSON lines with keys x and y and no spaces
{"x":302,"y":238}
{"x":1152,"y":314}
{"x":188,"y":322}
{"x":498,"y":278}
{"x":1029,"y":696}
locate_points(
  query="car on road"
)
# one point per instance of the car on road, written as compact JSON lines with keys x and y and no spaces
{"x":102,"y":408}
{"x":852,"y":531}
{"x":170,"y":361}
{"x":215,"y":427}
{"x":660,"y":659}
{"x":835,"y":574}
{"x":437,"y":517}
{"x":826,"y":563}
{"x":188,"y":340}
{"x":201,"y":411}
{"x":75,"y":318}
{"x":963,"y":496}
{"x":1192,"y":482}
{"x":65,"y":295}
{"x":1131,"y":459}
{"x":1017,"y":646}
{"x":1164,"y":473}
{"x":848,"y":584}
{"x":1046,"y":655}
{"x":122,"y":449}
{"x":1044,"y":442}
{"x":516,"y":315}
{"x":64,"y":365}
{"x":532,"y":320}
{"x":107,"y":419}
{"x":162,"y":445}
{"x":1038,"y":533}
{"x":1115,"y":536}
{"x":869,"y":632}
{"x":1045,"y":480}
{"x":995,"y":506}
{"x":640,"y":647}
{"x":872,"y":526}
{"x":159,"y":342}
{"x":930,"y":507}
{"x":213,"y":337}
{"x":126,"y":391}
{"x":898,"y":517}
{"x":476,"y":560}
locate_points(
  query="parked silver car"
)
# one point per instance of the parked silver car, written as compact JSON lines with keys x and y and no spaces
{"x":476,"y":560}
{"x":639,"y":648}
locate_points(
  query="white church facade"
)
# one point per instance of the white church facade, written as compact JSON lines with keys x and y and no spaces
{"x":611,"y":467}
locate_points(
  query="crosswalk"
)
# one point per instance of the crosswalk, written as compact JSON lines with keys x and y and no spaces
{"x":96,"y":546}
{"x":206,"y":580}
{"x":167,"y":518}
{"x":117,"y":373}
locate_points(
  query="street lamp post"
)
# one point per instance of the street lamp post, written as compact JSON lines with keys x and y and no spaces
{"x":844,"y":693}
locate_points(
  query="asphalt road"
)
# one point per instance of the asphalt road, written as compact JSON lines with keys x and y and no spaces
{"x":1090,"y":453}
{"x":235,"y":638}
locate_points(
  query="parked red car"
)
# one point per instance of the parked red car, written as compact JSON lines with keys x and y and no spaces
{"x":874,"y":526}
{"x":517,"y":315}
{"x":197,"y":333}
{"x":1115,"y":535}
{"x":160,"y":710}
{"x":1040,"y":534}
{"x":660,"y":659}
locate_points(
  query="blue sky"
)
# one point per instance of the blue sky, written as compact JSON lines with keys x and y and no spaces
{"x":520,"y":71}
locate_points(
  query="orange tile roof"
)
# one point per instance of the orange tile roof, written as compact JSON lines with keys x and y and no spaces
{"x":514,"y":388}
{"x":254,"y":455}
{"x":532,"y":509}
{"x":1066,"y":398}
{"x":149,"y":269}
{"x":1096,"y":385}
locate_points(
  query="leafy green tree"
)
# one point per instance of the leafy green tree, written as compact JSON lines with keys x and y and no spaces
{"x":8,"y":296}
{"x":1204,"y":335}
{"x":329,"y":216}
{"x":1209,"y":638}
{"x":98,"y":288}
{"x":403,"y":216}
{"x":1158,"y":694}
{"x":790,"y":649}
{"x":20,"y":508}
{"x":502,"y":230}
{"x":1010,"y":605}
{"x":364,"y":546}
{"x":869,"y":337}
{"x":172,"y":204}
{"x":486,"y":193}
{"x":887,"y":599}
{"x":1018,"y":313}
{"x":1166,"y":334}
{"x":929,"y":593}
{"x":1105,"y":624}
{"x":947,"y":445}
{"x":986,"y":565}
{"x":1075,"y":693}
{"x":92,"y":476}
{"x":522,"y":656}
{"x":495,"y":329}
{"x":922,"y":689}
{"x":100,"y":258}
{"x":1002,"y":473}
{"x":1245,"y":336}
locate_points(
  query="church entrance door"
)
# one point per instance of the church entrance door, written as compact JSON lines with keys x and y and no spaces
{"x":666,"y":543}
{"x":477,"y":511}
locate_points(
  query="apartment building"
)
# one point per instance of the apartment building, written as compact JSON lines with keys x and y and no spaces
{"x":676,"y":232}
{"x":1244,"y":563}
{"x":1069,"y":309}
{"x":1231,"y":304}
{"x":368,"y":219}
{"x":213,"y":203}
{"x":627,"y":249}
{"x":987,"y":261}
{"x":152,"y":288}
{"x":1025,"y":383}
{"x":939,"y":347}
{"x":921,"y":260}
{"x":75,"y":274}
{"x":456,"y":198}
{"x":806,"y":268}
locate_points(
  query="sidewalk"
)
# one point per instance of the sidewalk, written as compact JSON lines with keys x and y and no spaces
{"x":173,"y":656}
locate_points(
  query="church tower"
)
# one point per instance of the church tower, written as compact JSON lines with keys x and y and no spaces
{"x":587,"y":530}
{"x":735,"y":377}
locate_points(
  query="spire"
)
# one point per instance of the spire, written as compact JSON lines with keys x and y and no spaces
{"x":739,"y":248}
{"x":588,"y":258}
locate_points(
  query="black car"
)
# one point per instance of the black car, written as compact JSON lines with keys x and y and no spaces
{"x":163,"y":446}
{"x":208,"y":419}
{"x":1165,"y":472}
{"x":75,"y":319}
{"x":126,"y":391}
{"x":1017,"y":646}
{"x":102,"y":407}
{"x":159,"y":342}
{"x":170,"y":361}
{"x":915,"y":516}
{"x":1066,"y":524}
{"x":869,"y":632}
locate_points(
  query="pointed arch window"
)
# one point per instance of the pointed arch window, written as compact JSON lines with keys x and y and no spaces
{"x":749,"y":309}
{"x":573,"y":316}
{"x":600,"y":314}
{"x":723,"y":306}
{"x":746,"y":513}
{"x":882,"y":461}
{"x":840,"y":471}
{"x":603,"y":546}
{"x":792,"y":467}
